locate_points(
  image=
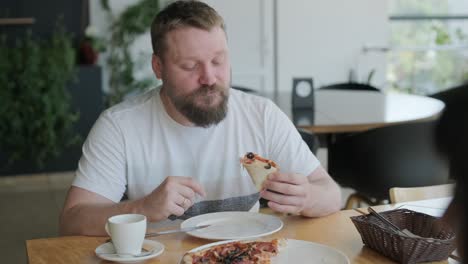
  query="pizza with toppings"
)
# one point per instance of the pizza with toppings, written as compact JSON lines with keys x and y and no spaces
{"x":237,"y":252}
{"x":258,"y":168}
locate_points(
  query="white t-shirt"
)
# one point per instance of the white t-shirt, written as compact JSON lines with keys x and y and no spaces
{"x":135,"y":145}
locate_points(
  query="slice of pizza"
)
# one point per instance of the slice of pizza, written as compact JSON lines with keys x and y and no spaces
{"x":258,"y":168}
{"x":237,"y":252}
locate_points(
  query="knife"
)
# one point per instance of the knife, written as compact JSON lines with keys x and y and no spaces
{"x":186,"y":229}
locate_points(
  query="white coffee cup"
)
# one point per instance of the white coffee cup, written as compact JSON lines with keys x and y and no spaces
{"x":127,"y":232}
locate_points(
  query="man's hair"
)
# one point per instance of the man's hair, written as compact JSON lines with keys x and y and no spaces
{"x":184,"y":13}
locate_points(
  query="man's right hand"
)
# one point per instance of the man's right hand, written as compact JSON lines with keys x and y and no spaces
{"x":172,"y":197}
{"x":86,"y":212}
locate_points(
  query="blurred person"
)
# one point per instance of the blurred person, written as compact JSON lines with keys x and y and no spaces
{"x":452,"y":141}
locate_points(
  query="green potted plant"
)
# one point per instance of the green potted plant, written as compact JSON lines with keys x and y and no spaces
{"x":36,"y":118}
{"x":125,"y":28}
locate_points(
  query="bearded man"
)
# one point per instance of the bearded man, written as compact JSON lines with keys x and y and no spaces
{"x":174,"y":151}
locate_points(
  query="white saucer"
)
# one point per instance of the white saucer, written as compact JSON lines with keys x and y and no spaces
{"x":108,"y":248}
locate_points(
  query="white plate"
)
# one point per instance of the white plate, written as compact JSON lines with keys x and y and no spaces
{"x":108,"y":248}
{"x":233,"y":225}
{"x":298,"y":252}
{"x":437,"y":212}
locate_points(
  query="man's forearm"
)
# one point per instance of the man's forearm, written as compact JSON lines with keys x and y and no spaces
{"x":326,"y":199}
{"x":89,"y":219}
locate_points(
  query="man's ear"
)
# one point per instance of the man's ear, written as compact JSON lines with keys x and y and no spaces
{"x":156,"y":64}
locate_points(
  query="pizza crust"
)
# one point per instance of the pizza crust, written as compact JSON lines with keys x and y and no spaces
{"x":188,"y":259}
{"x":258,"y":168}
{"x":258,"y":173}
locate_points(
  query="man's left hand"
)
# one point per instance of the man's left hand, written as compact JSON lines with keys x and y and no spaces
{"x":286,"y":192}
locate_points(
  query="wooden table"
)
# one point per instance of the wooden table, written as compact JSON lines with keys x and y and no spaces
{"x":339,"y":111}
{"x":335,"y":230}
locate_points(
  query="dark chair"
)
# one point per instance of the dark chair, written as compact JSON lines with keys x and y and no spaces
{"x":310,"y":139}
{"x":351,"y":86}
{"x":451,"y":96}
{"x":374,"y":161}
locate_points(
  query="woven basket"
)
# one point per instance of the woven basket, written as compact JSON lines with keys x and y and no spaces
{"x":400,"y":248}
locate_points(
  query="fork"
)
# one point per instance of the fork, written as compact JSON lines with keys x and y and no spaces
{"x":166,"y":232}
{"x":395,"y":228}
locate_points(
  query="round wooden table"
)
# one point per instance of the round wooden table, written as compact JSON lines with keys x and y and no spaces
{"x":343,"y":111}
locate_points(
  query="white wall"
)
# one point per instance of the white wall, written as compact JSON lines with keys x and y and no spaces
{"x":250,"y":37}
{"x":318,"y":39}
{"x":249,"y":26}
{"x":141,"y":49}
{"x":324,"y":39}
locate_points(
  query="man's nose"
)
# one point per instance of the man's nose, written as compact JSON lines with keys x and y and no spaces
{"x":207,"y":75}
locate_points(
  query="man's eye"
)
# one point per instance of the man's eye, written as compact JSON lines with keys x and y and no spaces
{"x":218,"y":61}
{"x":189,"y":67}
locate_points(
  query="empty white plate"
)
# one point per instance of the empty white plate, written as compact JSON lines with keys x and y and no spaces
{"x":233,"y":225}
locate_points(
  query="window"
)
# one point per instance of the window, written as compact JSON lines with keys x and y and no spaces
{"x":429,"y":45}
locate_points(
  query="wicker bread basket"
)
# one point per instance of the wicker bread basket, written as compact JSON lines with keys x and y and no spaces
{"x":435,"y":242}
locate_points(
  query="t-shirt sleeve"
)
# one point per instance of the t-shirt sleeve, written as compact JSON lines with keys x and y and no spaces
{"x":285,"y":144}
{"x":102,"y":168}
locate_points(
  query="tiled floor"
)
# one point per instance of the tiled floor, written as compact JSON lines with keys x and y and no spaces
{"x":31,"y":204}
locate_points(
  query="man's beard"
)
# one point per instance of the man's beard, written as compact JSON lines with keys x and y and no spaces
{"x":202,"y":116}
